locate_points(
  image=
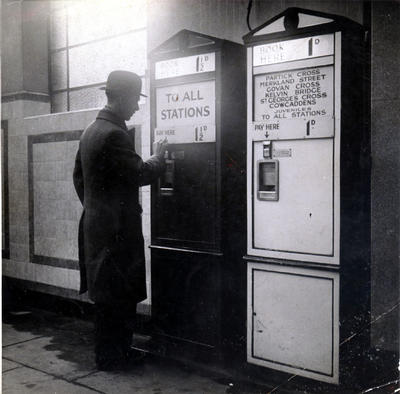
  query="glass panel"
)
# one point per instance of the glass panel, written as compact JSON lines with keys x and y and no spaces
{"x":59,"y":102}
{"x":267,"y":176}
{"x":184,"y":215}
{"x":92,"y":63}
{"x":144,"y":91}
{"x":59,"y":70}
{"x":87,"y":98}
{"x":91,"y":20}
{"x":59,"y":4}
{"x":92,"y":97}
{"x":58,"y":29}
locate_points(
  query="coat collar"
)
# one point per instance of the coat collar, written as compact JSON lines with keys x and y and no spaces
{"x":107,"y":114}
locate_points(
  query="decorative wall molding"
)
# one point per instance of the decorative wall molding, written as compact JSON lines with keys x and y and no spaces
{"x":6,"y":212}
{"x":25,"y":95}
{"x":63,"y":136}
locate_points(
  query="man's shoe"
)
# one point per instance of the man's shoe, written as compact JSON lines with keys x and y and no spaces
{"x":134,"y":357}
{"x":110,"y":364}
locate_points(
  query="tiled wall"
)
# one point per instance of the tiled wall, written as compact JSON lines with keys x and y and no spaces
{"x":5,"y":236}
{"x":18,"y":195}
{"x":56,"y":207}
{"x":44,"y":209}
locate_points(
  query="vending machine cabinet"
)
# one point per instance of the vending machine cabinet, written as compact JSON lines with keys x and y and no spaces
{"x":308,"y":166}
{"x":198,"y":238}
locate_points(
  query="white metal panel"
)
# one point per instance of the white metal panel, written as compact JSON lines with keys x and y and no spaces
{"x":308,"y":125}
{"x":188,"y":134}
{"x":304,"y":63}
{"x":293,"y":320}
{"x":293,"y":104}
{"x":330,"y":130}
{"x":249,"y":166}
{"x":301,"y":221}
{"x":338,"y":136}
{"x":290,"y":50}
{"x":186,"y":104}
{"x":177,"y":67}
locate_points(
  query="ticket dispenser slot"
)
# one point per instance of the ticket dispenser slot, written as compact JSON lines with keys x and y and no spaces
{"x":167,"y":183}
{"x":268,"y":180}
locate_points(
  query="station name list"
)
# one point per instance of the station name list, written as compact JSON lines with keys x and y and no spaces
{"x":294,"y":94}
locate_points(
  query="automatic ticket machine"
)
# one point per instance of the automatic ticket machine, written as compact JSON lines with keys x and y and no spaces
{"x":308,"y":224}
{"x":198,"y":93}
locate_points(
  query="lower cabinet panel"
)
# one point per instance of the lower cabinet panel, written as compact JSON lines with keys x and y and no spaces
{"x":293,"y":320}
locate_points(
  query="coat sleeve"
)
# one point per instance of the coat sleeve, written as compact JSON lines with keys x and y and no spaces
{"x":151,"y":170}
{"x":129,"y":164}
{"x":78,"y":177}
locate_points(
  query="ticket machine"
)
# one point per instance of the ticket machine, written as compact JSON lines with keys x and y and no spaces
{"x":198,"y":102}
{"x":308,"y":242}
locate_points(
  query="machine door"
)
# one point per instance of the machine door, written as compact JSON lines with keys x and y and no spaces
{"x":293,"y":197}
{"x":185,"y":200}
{"x":293,"y":320}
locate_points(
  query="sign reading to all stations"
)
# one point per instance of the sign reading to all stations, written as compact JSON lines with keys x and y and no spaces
{"x":286,"y":51}
{"x":295,"y":103}
{"x":185,"y":66}
{"x":186,"y":113}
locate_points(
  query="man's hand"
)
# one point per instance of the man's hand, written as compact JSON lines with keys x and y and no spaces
{"x":160,"y":147}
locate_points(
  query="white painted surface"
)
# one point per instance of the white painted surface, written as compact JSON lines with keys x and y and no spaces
{"x":311,"y":20}
{"x":188,"y":65}
{"x":301,"y":221}
{"x":284,"y":231}
{"x":305,"y":127}
{"x":300,"y":48}
{"x":188,"y":134}
{"x":338,"y":136}
{"x":186,"y":104}
{"x":297,"y":103}
{"x":293,"y":320}
{"x":303,"y":63}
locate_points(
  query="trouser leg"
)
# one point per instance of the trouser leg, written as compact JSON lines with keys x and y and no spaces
{"x":113,"y":334}
{"x":108,"y":327}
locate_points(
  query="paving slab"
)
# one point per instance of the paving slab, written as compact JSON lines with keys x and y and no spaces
{"x":155,"y":376}
{"x":25,"y":325}
{"x":11,"y":336}
{"x":81,"y":327}
{"x":7,"y":365}
{"x":26,"y":380}
{"x":61,"y":355}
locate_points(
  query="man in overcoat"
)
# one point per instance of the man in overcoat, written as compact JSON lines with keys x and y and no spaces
{"x":107,"y":177}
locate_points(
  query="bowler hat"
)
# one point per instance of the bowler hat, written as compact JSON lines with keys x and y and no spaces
{"x":120,"y":82}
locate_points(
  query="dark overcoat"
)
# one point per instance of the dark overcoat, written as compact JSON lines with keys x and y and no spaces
{"x":107,"y":176}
